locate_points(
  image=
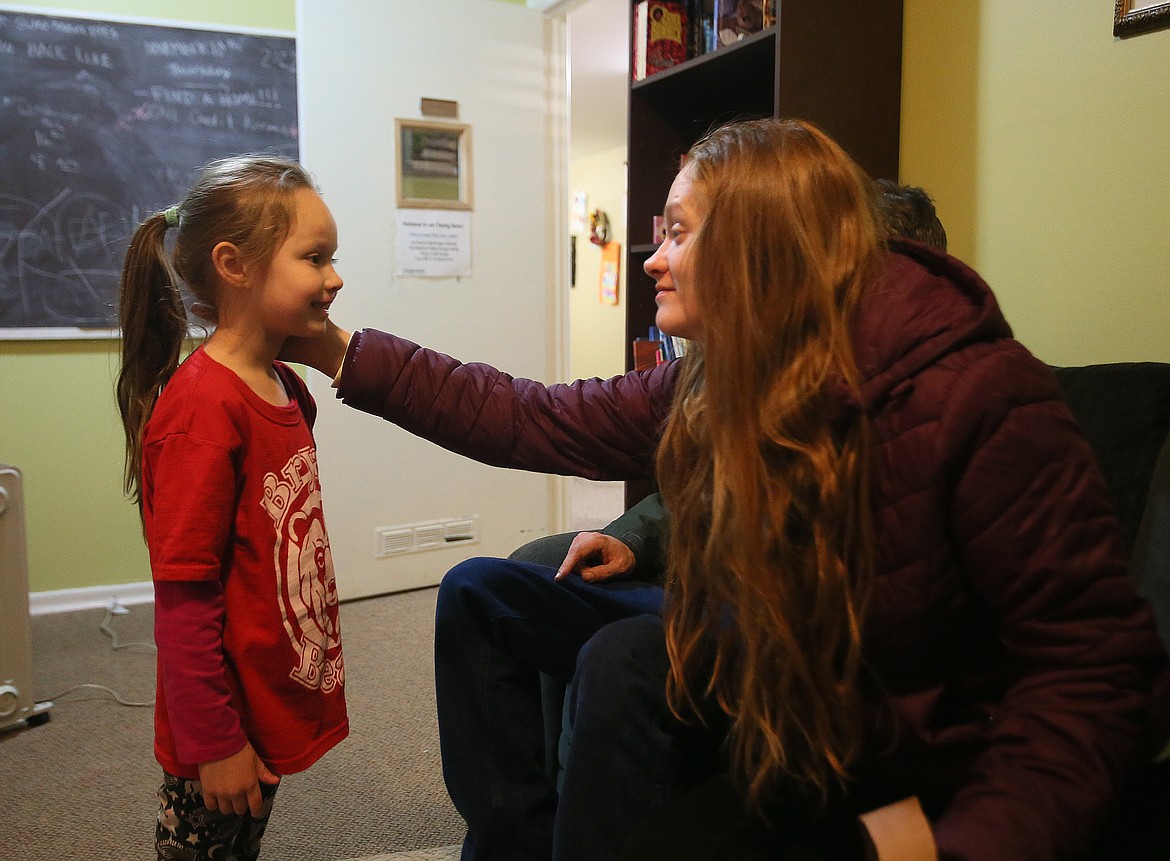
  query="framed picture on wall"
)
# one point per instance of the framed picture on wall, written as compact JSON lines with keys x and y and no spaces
{"x":1131,"y":17}
{"x":433,"y":164}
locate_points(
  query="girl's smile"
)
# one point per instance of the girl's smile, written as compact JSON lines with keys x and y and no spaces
{"x":301,"y":282}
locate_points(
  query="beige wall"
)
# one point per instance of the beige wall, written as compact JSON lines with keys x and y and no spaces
{"x":597,"y":337}
{"x":1045,"y":141}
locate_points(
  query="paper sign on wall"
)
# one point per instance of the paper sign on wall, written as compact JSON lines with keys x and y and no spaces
{"x":433,"y":242}
{"x":579,"y":214}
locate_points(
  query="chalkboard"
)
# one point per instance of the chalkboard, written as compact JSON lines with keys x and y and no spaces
{"x":102,"y":123}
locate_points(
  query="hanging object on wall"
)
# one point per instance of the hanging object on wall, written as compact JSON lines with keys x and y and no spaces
{"x":433,"y":164}
{"x":1131,"y":17}
{"x":598,"y":227}
{"x":444,"y":108}
{"x":579,"y":213}
{"x":610,"y":278}
{"x":572,"y":261}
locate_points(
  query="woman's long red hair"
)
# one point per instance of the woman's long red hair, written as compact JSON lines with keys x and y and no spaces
{"x":762,"y":467}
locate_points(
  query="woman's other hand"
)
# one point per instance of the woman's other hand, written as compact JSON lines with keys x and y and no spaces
{"x":595,"y":557}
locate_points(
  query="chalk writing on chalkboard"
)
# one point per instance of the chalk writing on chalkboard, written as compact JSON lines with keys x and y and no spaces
{"x":103,"y":123}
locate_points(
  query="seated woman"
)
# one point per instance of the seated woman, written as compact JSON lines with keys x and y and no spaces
{"x":896,"y":593}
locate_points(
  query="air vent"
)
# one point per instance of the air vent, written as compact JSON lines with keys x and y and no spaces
{"x":459,"y":531}
{"x":392,"y":541}
{"x":427,"y":535}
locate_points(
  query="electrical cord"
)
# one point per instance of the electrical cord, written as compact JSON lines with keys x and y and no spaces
{"x":113,"y":693}
{"x":114,"y":609}
{"x":107,"y":629}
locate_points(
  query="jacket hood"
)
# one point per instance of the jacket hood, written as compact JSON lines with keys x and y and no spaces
{"x":923,"y":306}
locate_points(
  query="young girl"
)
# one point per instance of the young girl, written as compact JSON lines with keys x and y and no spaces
{"x":221,"y":460}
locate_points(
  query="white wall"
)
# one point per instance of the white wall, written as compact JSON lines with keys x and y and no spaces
{"x":354,"y":80}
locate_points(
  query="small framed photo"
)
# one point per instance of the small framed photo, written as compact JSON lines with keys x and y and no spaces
{"x":434,"y":164}
{"x":1131,"y":17}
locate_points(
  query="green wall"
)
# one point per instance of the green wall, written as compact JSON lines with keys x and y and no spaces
{"x":261,"y":14}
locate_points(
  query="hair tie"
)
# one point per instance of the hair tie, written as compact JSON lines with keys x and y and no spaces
{"x":172,"y":216}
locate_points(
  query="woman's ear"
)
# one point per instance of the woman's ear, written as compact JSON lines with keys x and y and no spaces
{"x":230,"y":264}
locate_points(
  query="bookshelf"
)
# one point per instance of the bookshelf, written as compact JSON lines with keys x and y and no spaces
{"x":837,"y":63}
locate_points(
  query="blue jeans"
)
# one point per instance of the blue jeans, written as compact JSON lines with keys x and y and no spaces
{"x":499,"y":624}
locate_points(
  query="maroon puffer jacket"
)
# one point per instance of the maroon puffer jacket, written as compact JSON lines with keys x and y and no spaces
{"x":1018,"y":659}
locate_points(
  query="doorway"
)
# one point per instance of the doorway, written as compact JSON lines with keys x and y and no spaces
{"x":598,"y":61}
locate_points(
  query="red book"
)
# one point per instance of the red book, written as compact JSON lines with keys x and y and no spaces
{"x":647,"y":354}
{"x":666,"y":35}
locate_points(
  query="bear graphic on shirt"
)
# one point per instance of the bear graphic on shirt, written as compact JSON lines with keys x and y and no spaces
{"x":304,"y":572}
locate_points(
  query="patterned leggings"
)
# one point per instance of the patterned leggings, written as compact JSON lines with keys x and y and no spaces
{"x":188,"y":831}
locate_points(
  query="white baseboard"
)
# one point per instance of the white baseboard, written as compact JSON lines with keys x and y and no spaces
{"x":66,"y":600}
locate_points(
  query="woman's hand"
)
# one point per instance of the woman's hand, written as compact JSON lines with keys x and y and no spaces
{"x":232,"y":784}
{"x":596,"y":557}
{"x":325,"y":352}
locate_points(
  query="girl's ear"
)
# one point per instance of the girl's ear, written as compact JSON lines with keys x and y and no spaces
{"x":230,"y":264}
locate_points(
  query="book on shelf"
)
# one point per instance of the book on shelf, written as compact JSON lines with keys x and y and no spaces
{"x":647,"y":354}
{"x":657,"y":348}
{"x":668,"y":33}
{"x":672,"y":347}
{"x":735,"y":19}
{"x":661,"y":38}
{"x":703,"y":33}
{"x":638,"y":41}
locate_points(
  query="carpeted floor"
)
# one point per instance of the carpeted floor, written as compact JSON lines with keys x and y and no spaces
{"x":83,"y":784}
{"x":444,"y":853}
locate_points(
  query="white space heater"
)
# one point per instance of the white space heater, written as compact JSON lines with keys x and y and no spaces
{"x":17,"y":706}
